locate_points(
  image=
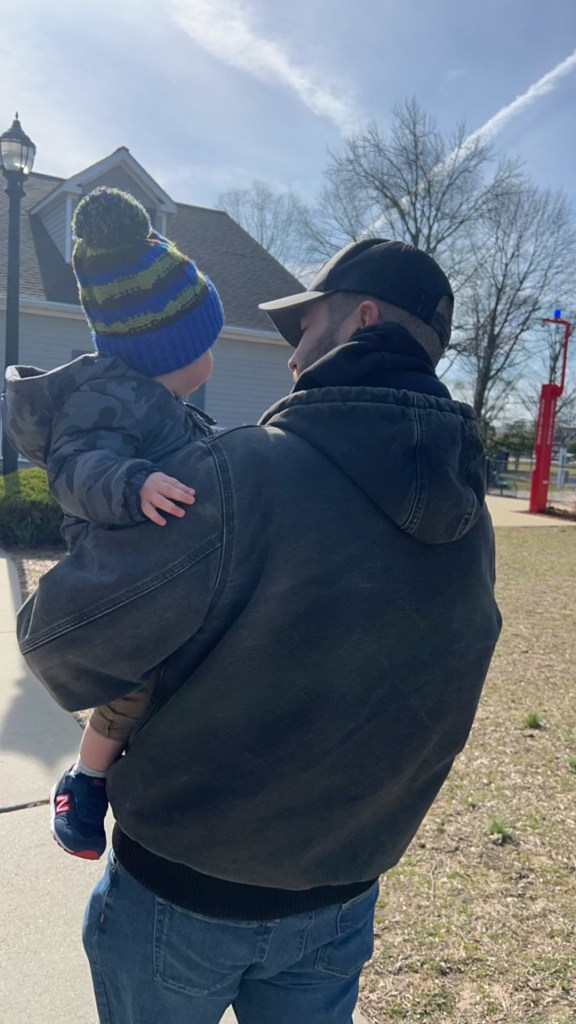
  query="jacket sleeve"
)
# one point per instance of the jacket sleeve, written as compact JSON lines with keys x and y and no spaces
{"x":125,"y":600}
{"x":93,"y":468}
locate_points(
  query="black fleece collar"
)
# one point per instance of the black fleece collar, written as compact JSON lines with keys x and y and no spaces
{"x":385,"y":356}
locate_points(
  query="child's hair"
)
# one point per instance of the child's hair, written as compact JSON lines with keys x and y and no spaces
{"x":146,"y":302}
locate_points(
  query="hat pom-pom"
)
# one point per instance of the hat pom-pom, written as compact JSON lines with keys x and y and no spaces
{"x":110,"y":219}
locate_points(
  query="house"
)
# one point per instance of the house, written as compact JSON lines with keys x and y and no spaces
{"x":250,"y":371}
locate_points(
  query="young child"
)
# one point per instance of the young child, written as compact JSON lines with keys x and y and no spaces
{"x":103,"y":424}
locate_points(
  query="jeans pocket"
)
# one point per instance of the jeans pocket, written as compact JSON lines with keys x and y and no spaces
{"x":94,"y":917}
{"x":354,"y":942}
{"x":96,"y":908}
{"x":199,"y":956}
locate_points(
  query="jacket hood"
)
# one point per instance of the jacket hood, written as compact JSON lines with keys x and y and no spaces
{"x":388,"y":423}
{"x":34,"y":397}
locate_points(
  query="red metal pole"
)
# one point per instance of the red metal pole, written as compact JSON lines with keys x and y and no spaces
{"x":545,"y":429}
{"x":567,"y":331}
{"x":543,"y":447}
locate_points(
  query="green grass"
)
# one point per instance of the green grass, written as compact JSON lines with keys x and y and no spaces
{"x":500,"y":829}
{"x":533,"y":721}
{"x":29,"y":516}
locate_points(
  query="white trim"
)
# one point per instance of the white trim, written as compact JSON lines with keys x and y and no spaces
{"x":66,"y":310}
{"x":245,"y":334}
{"x":68,"y":237}
{"x":63,"y":189}
{"x":121,"y":156}
{"x":40,"y":307}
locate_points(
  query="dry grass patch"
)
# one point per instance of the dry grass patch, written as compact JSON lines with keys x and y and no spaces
{"x":478,"y":922}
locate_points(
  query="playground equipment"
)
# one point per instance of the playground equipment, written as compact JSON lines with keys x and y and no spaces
{"x":549,"y":395}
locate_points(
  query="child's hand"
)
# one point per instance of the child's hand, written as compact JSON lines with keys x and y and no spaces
{"x":160,"y":492}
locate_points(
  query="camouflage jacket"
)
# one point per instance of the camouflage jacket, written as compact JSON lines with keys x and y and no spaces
{"x":99,"y":429}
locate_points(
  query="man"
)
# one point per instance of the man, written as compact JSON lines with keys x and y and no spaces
{"x":325,"y":619}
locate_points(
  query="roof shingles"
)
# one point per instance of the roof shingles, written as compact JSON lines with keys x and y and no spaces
{"x":244,"y":273}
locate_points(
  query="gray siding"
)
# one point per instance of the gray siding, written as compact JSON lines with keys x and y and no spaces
{"x":49,"y":341}
{"x":248,"y":377}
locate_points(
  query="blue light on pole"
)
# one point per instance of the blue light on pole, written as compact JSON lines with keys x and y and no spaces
{"x":557,"y":314}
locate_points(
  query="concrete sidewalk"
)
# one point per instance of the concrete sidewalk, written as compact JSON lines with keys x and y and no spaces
{"x":44,"y":977}
{"x":44,"y":974}
{"x":507,"y":511}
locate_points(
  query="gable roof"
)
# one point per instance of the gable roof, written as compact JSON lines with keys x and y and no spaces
{"x":120,"y":157}
{"x":244,"y":273}
{"x":241,"y":269}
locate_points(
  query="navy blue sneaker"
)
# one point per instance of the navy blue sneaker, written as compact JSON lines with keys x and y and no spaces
{"x":78,"y":805}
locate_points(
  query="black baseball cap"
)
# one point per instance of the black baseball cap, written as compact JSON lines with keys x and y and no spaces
{"x":395,"y":272}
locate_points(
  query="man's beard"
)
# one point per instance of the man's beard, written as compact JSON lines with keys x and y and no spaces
{"x":324,"y":343}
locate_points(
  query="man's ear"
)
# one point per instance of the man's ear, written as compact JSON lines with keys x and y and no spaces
{"x":368,"y":313}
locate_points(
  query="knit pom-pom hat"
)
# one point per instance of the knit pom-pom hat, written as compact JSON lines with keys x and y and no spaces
{"x":146,"y":302}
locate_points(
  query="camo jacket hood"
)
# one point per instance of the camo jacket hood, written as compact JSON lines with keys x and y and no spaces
{"x":99,"y":429}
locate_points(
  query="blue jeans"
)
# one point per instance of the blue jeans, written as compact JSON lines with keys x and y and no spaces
{"x":153,"y":963}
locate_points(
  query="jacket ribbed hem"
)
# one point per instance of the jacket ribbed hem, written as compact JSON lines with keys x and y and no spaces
{"x":213,"y":897}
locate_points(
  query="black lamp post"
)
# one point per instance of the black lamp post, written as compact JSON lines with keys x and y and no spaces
{"x":17,"y":154}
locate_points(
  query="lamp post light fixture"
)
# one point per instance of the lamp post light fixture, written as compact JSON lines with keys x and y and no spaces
{"x":17,"y":154}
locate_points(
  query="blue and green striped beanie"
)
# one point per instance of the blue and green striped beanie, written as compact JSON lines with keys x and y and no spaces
{"x":146,"y":302}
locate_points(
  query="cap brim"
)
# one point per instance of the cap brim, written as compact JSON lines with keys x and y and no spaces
{"x":286,"y":313}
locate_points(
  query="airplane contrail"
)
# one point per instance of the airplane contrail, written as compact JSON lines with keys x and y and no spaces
{"x":498,"y":121}
{"x":544,"y":85}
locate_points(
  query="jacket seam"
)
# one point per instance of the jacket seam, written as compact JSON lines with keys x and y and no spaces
{"x":152,"y":583}
{"x":415,"y":514}
{"x":399,"y":397}
{"x":472,"y":499}
{"x":466,"y":517}
{"x":227,"y":492}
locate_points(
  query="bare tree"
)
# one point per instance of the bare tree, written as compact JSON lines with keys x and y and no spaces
{"x":273,"y":218}
{"x":555,"y":336}
{"x":505,"y":244}
{"x":410,"y":183}
{"x":523,"y":249}
{"x":547,"y":350}
{"x":342,"y":214}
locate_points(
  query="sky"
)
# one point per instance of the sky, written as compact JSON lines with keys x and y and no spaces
{"x":211,"y":94}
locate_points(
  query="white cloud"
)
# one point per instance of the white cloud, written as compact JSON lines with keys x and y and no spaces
{"x":495,"y":124}
{"x":544,"y":85}
{"x":225,"y":29}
